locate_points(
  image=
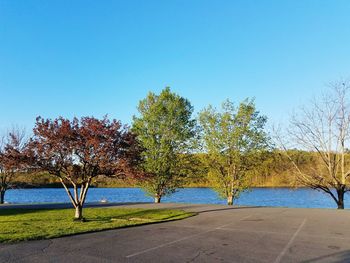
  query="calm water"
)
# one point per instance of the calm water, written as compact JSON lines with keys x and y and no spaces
{"x":256,"y":197}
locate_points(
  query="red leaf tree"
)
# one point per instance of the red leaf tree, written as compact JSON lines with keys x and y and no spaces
{"x":12,"y":161}
{"x":77,"y":151}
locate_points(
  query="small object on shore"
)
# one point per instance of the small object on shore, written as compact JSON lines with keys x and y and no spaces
{"x":104,"y":200}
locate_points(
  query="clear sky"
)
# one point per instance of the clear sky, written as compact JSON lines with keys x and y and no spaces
{"x":76,"y":58}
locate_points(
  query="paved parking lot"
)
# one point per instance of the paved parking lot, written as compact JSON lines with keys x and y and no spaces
{"x":217,"y":234}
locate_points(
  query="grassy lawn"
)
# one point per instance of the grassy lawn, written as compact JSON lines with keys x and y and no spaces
{"x":24,"y":224}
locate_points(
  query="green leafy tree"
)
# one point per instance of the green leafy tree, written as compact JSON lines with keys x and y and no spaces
{"x":233,"y":140}
{"x":164,"y":129}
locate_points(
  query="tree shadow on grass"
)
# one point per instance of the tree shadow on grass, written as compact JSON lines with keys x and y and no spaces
{"x":197,"y":208}
{"x":142,"y":213}
{"x":63,"y":205}
{"x":15,"y":211}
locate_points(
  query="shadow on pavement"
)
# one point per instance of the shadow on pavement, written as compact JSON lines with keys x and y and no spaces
{"x":210,"y":209}
{"x":63,"y":205}
{"x":339,"y":257}
{"x":197,"y":208}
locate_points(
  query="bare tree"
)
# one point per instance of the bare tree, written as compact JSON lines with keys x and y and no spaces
{"x":11,"y":155}
{"x":323,"y":128}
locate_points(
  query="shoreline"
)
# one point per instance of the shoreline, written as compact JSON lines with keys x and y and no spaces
{"x":186,"y":187}
{"x":66,"y":205}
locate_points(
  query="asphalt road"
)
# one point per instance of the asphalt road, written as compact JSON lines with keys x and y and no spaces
{"x":217,"y":234}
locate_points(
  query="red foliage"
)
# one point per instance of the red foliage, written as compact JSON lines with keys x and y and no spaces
{"x":12,"y":159}
{"x":76,"y":151}
{"x":81,"y":149}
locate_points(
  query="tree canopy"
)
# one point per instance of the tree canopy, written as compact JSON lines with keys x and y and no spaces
{"x":164,"y":128}
{"x":11,"y":159}
{"x":76,"y":151}
{"x":232,"y":139}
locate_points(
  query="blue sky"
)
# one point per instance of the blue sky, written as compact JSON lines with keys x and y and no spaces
{"x":76,"y":58}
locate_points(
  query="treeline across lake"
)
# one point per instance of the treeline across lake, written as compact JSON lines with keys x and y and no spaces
{"x":274,"y":171}
{"x":166,"y":147}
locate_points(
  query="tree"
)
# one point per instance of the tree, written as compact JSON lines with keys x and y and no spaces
{"x":164,"y":129}
{"x":323,"y":128}
{"x":232,"y":139}
{"x":78,"y":151}
{"x":11,"y":159}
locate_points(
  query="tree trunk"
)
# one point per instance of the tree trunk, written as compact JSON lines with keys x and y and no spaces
{"x":2,"y":196}
{"x":340,"y":201}
{"x":78,"y":212}
{"x":157,"y":199}
{"x":230,"y":200}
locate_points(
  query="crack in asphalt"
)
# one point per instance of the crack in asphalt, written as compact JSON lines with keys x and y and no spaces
{"x":195,"y":257}
{"x":8,"y":258}
{"x":13,"y":258}
{"x":50,"y":242}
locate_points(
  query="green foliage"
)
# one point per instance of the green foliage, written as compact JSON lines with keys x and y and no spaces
{"x":233,"y":140}
{"x":26,"y":224}
{"x":165,"y":130}
{"x":275,"y":169}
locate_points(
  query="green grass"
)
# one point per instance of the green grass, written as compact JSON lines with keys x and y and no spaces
{"x":25,"y":224}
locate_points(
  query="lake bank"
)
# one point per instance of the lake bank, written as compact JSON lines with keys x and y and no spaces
{"x":272,"y":197}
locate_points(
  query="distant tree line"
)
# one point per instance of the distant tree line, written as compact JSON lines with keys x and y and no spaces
{"x":167,"y":146}
{"x":274,"y":169}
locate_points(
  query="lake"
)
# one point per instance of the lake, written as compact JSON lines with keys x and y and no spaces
{"x":286,"y":197}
